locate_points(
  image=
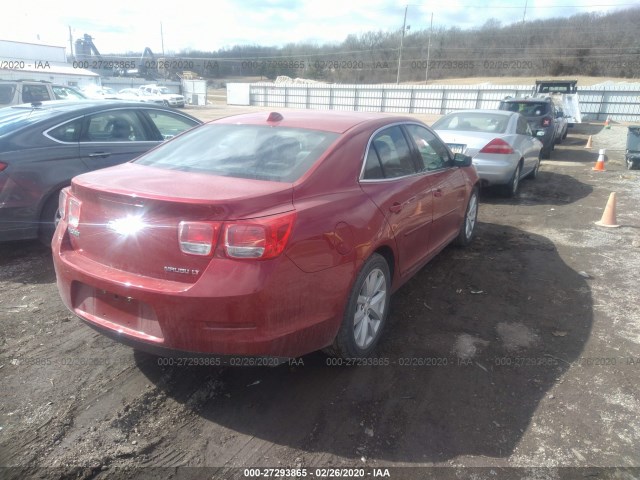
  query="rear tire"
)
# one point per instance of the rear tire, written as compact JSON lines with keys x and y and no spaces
{"x":533,"y":174}
{"x":511,"y":189}
{"x":48,"y":219}
{"x":366,"y":312}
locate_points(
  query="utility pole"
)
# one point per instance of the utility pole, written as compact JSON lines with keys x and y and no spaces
{"x":71,"y":45}
{"x":162,"y":38}
{"x":404,"y":27}
{"x":525,"y":10}
{"x":426,"y":76}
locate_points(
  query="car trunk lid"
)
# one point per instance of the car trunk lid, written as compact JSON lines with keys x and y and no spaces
{"x":130,"y":215}
{"x":469,"y":143}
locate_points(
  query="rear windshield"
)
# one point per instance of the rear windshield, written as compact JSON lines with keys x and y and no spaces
{"x":528,"y":109}
{"x":243,"y":151}
{"x":473,"y":122}
{"x":14,"y":118}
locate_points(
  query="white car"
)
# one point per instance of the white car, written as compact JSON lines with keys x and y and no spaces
{"x":501,"y":144}
{"x":137,"y":95}
{"x":169,"y":99}
{"x":95,"y":91}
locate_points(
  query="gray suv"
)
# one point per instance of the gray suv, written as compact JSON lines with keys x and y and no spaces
{"x":546,"y":121}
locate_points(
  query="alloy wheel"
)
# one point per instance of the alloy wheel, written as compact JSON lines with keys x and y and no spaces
{"x":370,"y":308}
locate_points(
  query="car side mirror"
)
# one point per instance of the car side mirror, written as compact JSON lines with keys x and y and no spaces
{"x":461,"y":160}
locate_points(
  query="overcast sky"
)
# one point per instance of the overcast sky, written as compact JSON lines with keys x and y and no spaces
{"x":119,"y":26}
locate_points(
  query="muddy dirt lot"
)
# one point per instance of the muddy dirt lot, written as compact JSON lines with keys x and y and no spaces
{"x":522,"y":351}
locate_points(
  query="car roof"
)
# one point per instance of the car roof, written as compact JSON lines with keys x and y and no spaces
{"x":506,"y":113}
{"x":329,"y":121}
{"x":527,"y":100}
{"x":52,"y":108}
{"x":77,"y":105}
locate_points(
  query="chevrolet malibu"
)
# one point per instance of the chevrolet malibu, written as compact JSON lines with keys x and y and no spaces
{"x":265,"y":234}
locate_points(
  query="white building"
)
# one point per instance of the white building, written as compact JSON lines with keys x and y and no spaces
{"x":35,"y":61}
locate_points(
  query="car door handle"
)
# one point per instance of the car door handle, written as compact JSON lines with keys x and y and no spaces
{"x":100,"y":154}
{"x":395,"y":207}
{"x":437,"y":193}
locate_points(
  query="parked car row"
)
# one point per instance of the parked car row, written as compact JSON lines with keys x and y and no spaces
{"x":264,"y":234}
{"x":15,"y":92}
{"x":145,"y":93}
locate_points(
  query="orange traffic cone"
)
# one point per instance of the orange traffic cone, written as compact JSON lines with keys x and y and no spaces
{"x":609,"y":216}
{"x":588,"y":145}
{"x":607,"y":122}
{"x":599,"y":166}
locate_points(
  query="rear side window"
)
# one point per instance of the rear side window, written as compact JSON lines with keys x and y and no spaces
{"x":67,"y":132}
{"x":243,"y":151}
{"x":389,"y":156}
{"x":35,"y":93}
{"x":7,"y":91}
{"x":115,"y":126}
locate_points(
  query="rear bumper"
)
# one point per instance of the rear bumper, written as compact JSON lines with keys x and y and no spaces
{"x":17,"y":224}
{"x":495,"y":169}
{"x":268,"y":308}
{"x":174,"y":102}
{"x":548,"y":138}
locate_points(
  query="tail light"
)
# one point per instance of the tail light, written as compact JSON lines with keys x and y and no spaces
{"x":546,"y":122}
{"x":74,"y":207}
{"x":497,"y":145}
{"x":260,"y":238}
{"x":198,"y":238}
{"x":3,"y":178}
{"x":63,"y":198}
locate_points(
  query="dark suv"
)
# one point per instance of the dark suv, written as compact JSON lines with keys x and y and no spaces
{"x":543,"y":120}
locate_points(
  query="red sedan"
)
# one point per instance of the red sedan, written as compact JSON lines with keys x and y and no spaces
{"x":266,"y":234}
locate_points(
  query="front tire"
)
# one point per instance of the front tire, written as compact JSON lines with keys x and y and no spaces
{"x":366,"y":312}
{"x":468,"y":227}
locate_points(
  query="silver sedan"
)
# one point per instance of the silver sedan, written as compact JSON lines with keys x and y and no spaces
{"x":501,"y":144}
